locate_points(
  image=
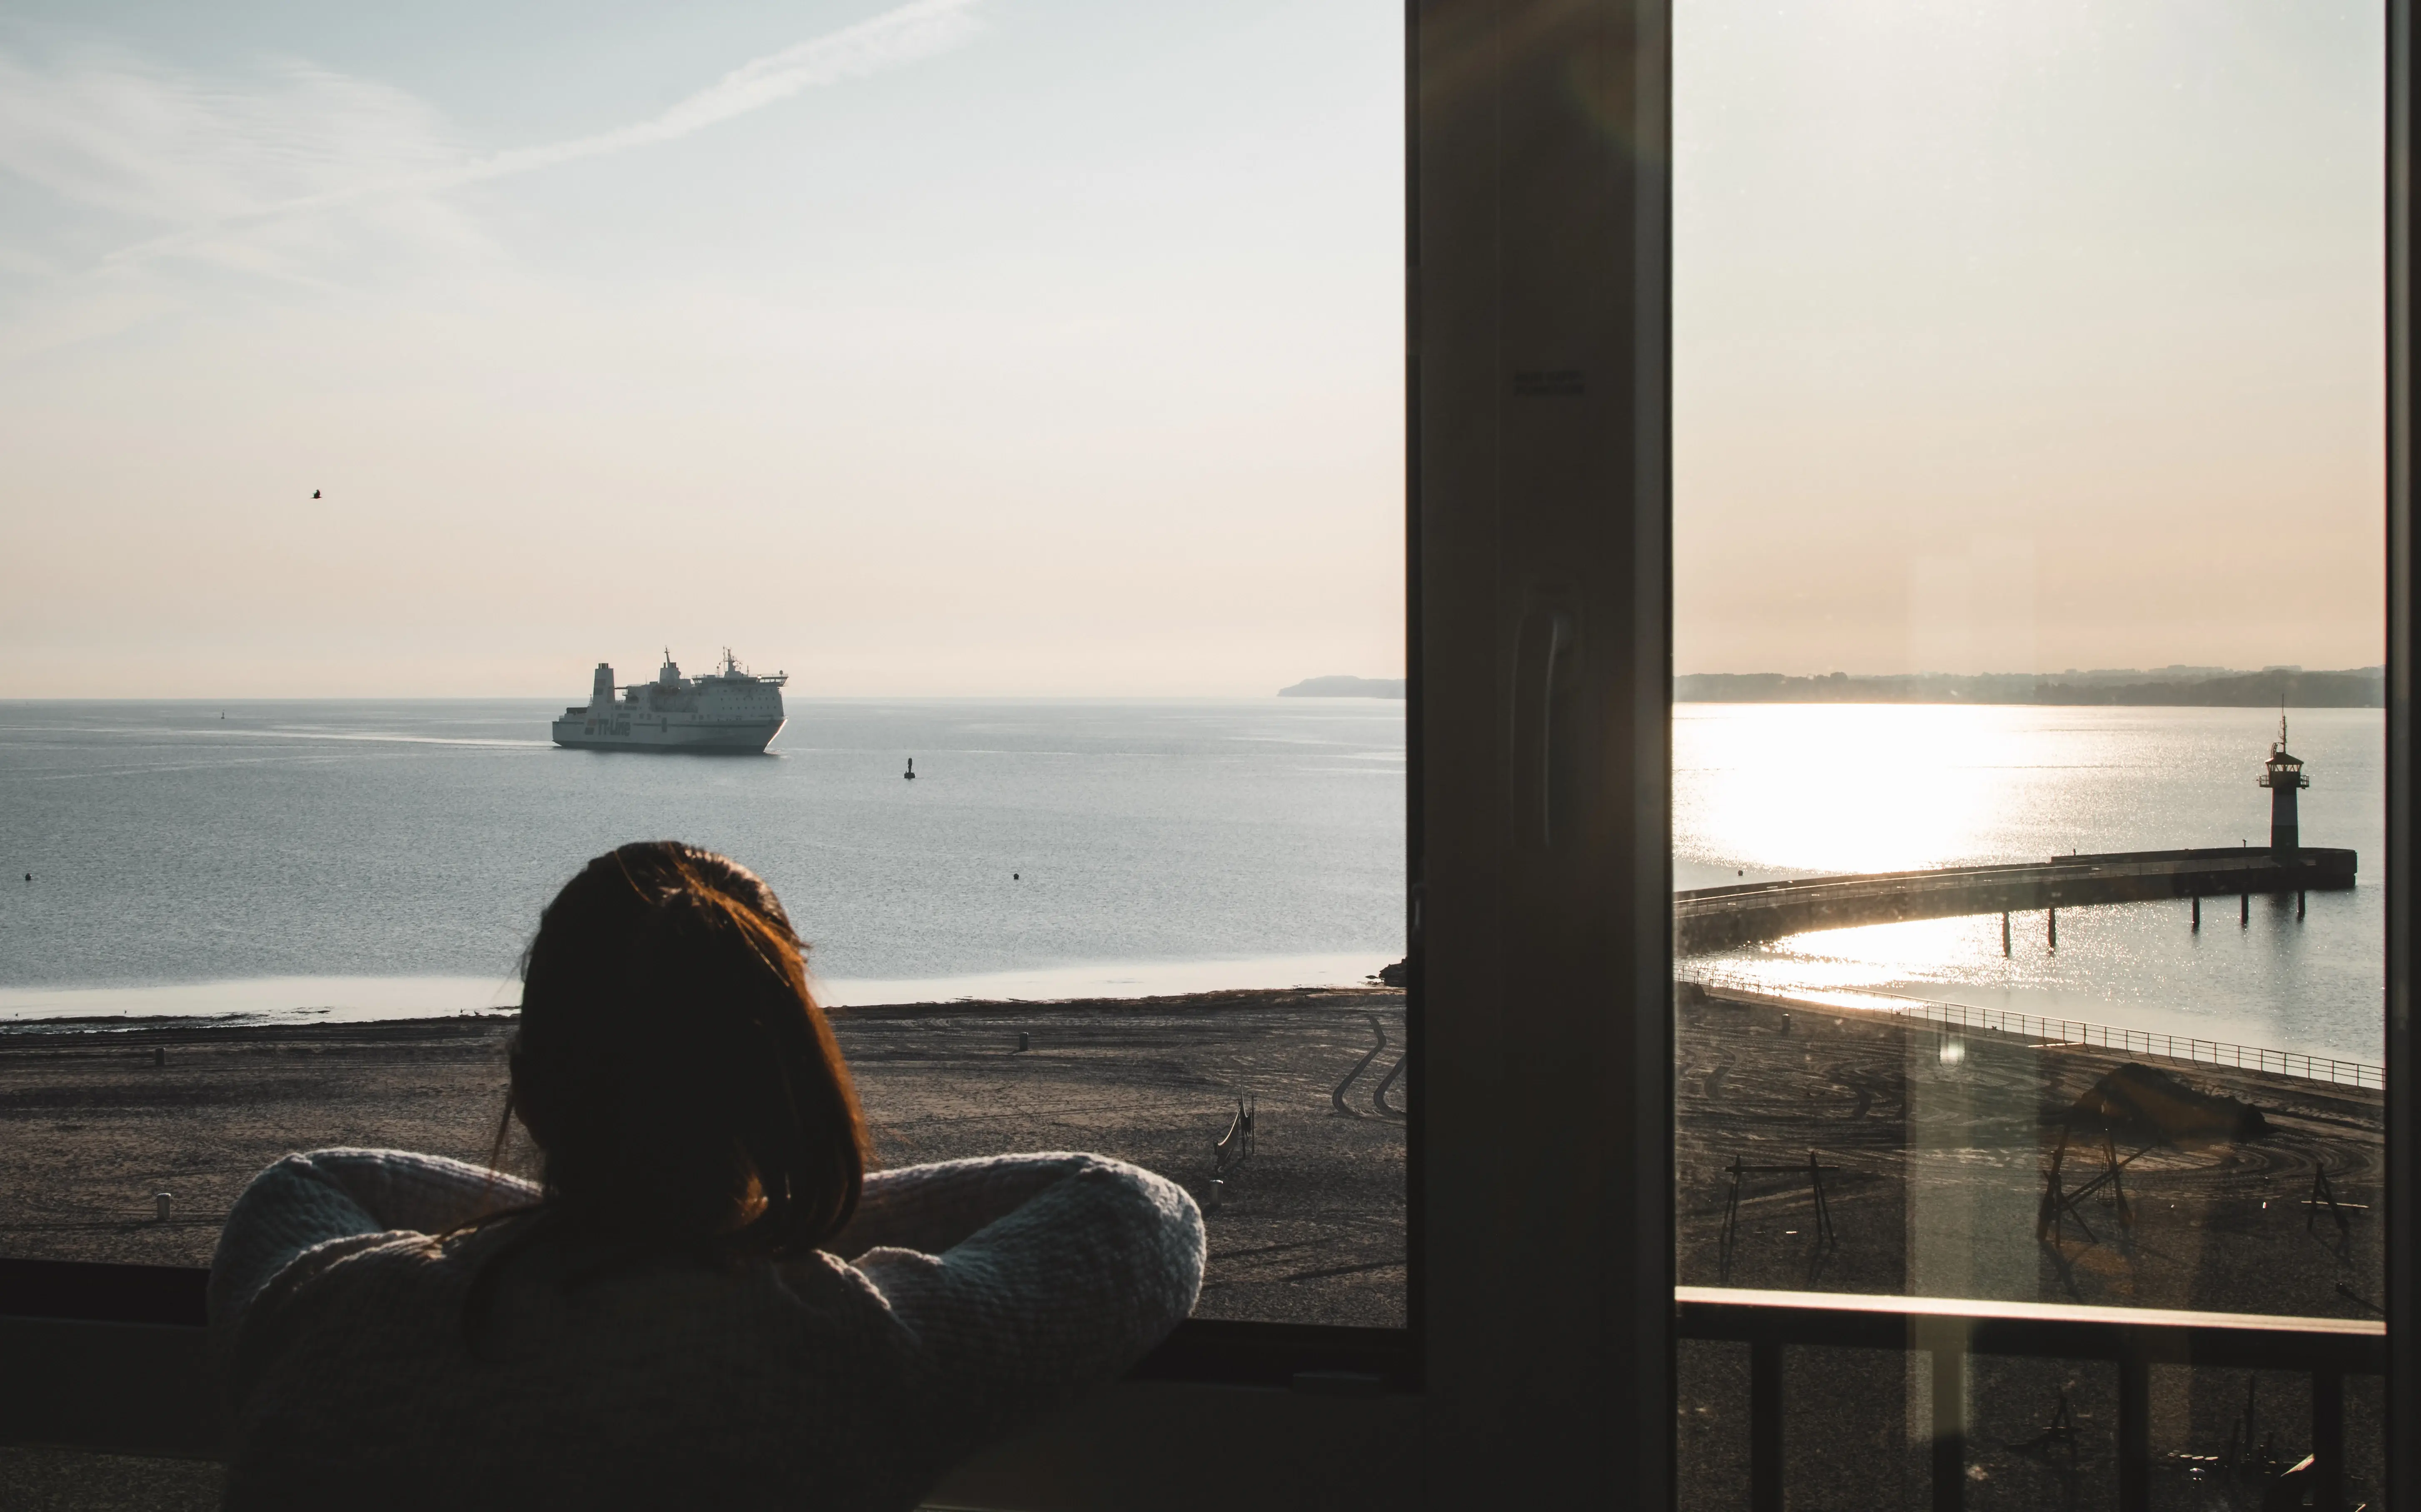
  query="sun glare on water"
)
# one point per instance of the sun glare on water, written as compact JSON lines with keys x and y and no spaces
{"x":1846,"y":787}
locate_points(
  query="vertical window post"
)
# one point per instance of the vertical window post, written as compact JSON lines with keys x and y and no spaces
{"x":1540,"y":290}
{"x":2403,"y":1380}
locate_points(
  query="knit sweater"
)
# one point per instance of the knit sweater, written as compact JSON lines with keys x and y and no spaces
{"x":983,"y":1294}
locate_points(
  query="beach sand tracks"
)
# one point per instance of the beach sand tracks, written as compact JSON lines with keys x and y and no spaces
{"x":94,"y":1128}
{"x":1310,"y":1229}
{"x":1951,"y":1151}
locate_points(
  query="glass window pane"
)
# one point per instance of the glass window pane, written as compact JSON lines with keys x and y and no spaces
{"x":405,"y":416}
{"x":2028,"y":727}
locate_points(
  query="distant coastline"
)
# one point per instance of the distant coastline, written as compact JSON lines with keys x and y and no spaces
{"x":2172,"y":687}
{"x":1343,"y":686}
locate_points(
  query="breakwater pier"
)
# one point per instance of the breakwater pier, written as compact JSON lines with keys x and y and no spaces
{"x":1717,"y":918}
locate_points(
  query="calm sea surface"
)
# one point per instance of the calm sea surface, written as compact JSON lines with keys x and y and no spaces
{"x":1768,"y":791}
{"x":366,"y":858}
{"x":389,"y":858}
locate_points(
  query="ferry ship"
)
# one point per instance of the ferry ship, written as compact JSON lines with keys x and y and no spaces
{"x":729,"y":710}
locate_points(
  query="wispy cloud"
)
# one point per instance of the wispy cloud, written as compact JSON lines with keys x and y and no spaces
{"x":912,"y":32}
{"x":215,"y":167}
{"x":147,"y":147}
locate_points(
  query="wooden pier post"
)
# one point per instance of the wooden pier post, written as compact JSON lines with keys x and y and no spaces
{"x":2197,"y":910}
{"x":2050,"y":924}
{"x":2299,"y":907}
{"x":2244,"y":910}
{"x":2005,"y":932}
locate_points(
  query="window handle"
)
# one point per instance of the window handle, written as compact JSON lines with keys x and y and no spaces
{"x":1546,"y":723}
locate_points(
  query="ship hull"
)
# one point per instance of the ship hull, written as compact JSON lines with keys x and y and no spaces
{"x":720,"y":738}
{"x":729,"y":711}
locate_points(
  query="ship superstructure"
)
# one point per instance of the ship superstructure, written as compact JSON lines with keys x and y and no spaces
{"x":730,"y":709}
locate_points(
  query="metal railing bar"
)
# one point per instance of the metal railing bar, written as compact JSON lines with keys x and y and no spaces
{"x":2135,"y":1435}
{"x":1948,"y":1329}
{"x":1945,"y":1344}
{"x":2040,"y":1329}
{"x":1984,"y":1308}
{"x":2167,"y":1046}
{"x":1765,"y":1426}
{"x":2328,"y":1440}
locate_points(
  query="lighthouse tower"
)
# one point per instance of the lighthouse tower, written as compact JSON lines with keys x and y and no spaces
{"x":2283,"y":775}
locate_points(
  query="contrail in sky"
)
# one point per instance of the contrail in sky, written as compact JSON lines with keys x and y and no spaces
{"x":914,"y":31}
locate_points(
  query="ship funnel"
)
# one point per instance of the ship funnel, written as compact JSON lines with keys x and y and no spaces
{"x":602,"y":689}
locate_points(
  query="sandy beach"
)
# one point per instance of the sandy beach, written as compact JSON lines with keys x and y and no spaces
{"x":1310,"y":1228}
{"x":1936,"y":1147}
{"x":1938,"y":1144}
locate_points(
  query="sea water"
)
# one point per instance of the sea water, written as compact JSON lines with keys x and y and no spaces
{"x":375,"y":859}
{"x":1768,"y":792}
{"x":381,"y":859}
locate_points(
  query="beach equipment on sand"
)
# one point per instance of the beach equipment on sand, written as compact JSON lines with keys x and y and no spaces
{"x":1234,"y":1148}
{"x":2147,"y":1108}
{"x":2143,"y":1102}
{"x":1826,"y":1239}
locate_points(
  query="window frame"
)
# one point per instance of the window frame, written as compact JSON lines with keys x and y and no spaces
{"x":1539,"y":1360}
{"x":2403,"y":428}
{"x":1510,"y":940}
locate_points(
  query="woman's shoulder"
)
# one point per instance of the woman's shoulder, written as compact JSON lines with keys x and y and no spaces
{"x":492,"y":1294}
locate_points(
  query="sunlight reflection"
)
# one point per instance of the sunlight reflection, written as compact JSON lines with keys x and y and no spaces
{"x":1865,"y":787}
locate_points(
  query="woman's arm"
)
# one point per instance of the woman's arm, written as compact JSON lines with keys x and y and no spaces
{"x":1064,"y":1291}
{"x":304,"y":1201}
{"x":931,"y":1208}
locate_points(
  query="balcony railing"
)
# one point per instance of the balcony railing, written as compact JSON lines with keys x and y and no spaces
{"x":139,"y":1383}
{"x":1950,"y":1330}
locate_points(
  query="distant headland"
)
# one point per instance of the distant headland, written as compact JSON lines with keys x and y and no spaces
{"x":1342,"y":687}
{"x":2175,"y":686}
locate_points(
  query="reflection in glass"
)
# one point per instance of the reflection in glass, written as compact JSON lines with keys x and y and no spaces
{"x":2025,"y":501}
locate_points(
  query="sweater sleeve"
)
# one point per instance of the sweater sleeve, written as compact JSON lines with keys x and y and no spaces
{"x":1084,"y":1272}
{"x":934,"y":1207}
{"x":304,"y":1201}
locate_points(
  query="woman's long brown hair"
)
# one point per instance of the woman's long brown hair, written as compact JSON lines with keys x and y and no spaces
{"x":675,"y":1070}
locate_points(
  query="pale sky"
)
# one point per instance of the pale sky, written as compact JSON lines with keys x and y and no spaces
{"x":2023,"y":335}
{"x":1037,"y":347}
{"x":970,"y":347}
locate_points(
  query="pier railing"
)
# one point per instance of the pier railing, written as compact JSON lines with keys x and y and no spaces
{"x":2186,"y":1048}
{"x":1719,"y":918}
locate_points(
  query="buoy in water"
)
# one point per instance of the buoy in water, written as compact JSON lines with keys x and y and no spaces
{"x":911,"y":772}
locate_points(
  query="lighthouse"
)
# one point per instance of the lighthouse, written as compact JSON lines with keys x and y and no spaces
{"x":2283,"y":775}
